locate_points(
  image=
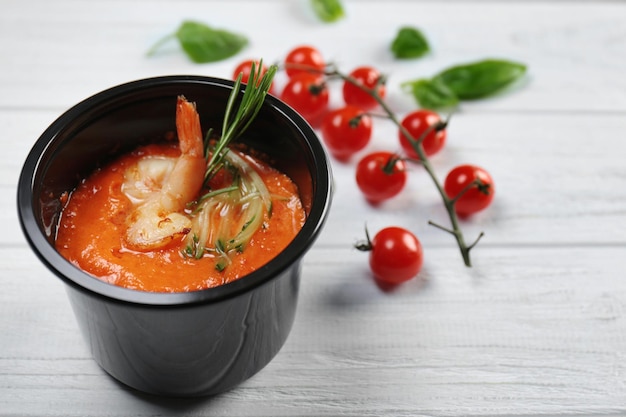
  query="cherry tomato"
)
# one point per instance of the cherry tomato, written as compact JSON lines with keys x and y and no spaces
{"x":346,"y":131}
{"x":475,"y":198}
{"x":245,"y":67}
{"x":369,"y":78}
{"x":308,"y":95}
{"x":417,"y":123}
{"x":380,"y":176}
{"x":304,"y":59}
{"x":396,"y":255}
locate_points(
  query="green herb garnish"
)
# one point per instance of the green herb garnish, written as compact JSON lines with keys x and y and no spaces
{"x":237,"y":121}
{"x":433,"y":94}
{"x":193,"y":249}
{"x":328,"y":10}
{"x":465,"y":82}
{"x":409,"y":43}
{"x":481,"y":79}
{"x":204,"y":44}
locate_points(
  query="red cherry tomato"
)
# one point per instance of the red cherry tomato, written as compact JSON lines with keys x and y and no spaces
{"x":369,"y":78}
{"x":346,"y":131}
{"x":380,"y":176}
{"x":308,"y":95}
{"x":396,"y":255}
{"x":245,"y":67}
{"x":475,"y":198}
{"x":305,"y":59}
{"x":417,"y":123}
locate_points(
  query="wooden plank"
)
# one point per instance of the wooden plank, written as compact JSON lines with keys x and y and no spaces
{"x":571,"y":49}
{"x":495,"y":340}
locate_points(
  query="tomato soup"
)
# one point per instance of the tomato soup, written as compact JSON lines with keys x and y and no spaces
{"x":95,"y":219}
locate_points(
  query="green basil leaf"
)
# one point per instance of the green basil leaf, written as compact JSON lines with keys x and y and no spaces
{"x":409,"y":43}
{"x":328,"y":10}
{"x":204,"y":44}
{"x":432,"y":94}
{"x":482,"y":78}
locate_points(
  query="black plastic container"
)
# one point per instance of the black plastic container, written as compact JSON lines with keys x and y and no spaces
{"x":174,"y":344}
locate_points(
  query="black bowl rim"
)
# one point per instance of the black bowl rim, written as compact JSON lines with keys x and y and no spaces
{"x":72,"y":275}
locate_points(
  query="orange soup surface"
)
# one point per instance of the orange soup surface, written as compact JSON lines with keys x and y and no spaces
{"x":95,"y":219}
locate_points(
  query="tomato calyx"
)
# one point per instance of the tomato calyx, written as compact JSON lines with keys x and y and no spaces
{"x":441,"y":125}
{"x":483,"y":187}
{"x":479,"y":184}
{"x":354,"y":122}
{"x":364,"y":245}
{"x":390,"y":167}
{"x":318,"y":88}
{"x":381,"y":81}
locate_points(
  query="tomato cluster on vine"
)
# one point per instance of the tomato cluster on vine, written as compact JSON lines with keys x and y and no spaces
{"x":380,"y":175}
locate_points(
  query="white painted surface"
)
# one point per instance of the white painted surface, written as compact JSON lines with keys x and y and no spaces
{"x":536,"y":327}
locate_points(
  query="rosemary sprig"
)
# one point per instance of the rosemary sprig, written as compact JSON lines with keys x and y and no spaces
{"x":236,"y":121}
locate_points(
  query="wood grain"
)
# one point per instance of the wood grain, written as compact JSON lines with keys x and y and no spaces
{"x":536,"y":328}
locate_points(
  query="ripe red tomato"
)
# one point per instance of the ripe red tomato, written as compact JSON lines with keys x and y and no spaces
{"x":346,"y":131}
{"x":474,"y":199}
{"x":396,"y":255}
{"x":380,"y":176}
{"x":305,"y":59}
{"x":369,"y":78}
{"x":308,"y":95}
{"x":417,"y":123}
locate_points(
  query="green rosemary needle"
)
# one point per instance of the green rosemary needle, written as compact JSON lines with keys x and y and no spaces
{"x":237,"y":121}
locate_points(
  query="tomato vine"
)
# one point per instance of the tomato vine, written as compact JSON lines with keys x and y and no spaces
{"x":416,"y":143}
{"x":422,"y":133}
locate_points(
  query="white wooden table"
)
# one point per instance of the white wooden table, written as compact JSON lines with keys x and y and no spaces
{"x":536,"y":327}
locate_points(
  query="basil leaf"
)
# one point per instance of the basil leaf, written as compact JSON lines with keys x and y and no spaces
{"x":482,"y":78}
{"x":204,"y":44}
{"x":432,"y":94}
{"x":328,"y":10}
{"x":409,"y":43}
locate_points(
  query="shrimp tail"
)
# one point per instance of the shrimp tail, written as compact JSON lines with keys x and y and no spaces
{"x":188,"y":127}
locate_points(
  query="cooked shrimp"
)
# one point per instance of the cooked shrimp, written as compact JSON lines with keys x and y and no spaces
{"x":160,"y":188}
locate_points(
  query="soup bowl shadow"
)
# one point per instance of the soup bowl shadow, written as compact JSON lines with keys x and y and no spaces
{"x":186,"y":344}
